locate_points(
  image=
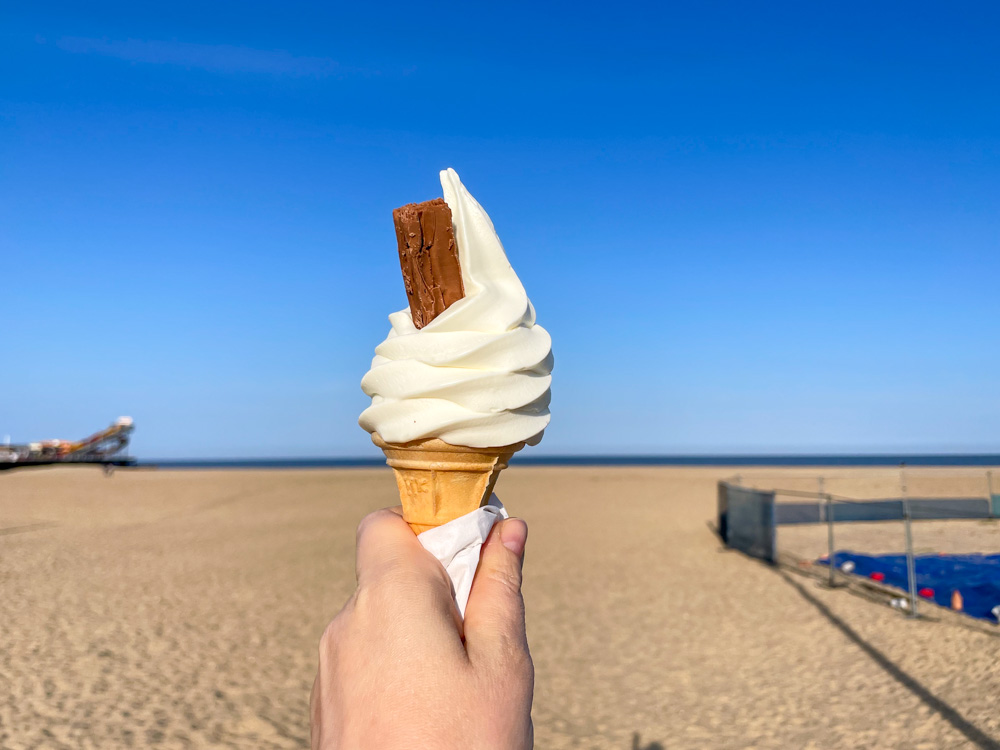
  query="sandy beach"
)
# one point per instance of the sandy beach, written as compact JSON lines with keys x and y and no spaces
{"x":182,"y":609}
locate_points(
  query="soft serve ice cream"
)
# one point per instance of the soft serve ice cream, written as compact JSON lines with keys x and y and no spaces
{"x":478,"y":374}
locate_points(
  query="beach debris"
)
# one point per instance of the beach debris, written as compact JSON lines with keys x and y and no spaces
{"x":927,"y":592}
{"x":877,"y":576}
{"x":899,"y":603}
{"x":996,"y":612}
{"x":848,"y":566}
{"x":956,"y":600}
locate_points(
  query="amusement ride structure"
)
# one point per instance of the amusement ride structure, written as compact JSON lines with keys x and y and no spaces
{"x":107,"y":447}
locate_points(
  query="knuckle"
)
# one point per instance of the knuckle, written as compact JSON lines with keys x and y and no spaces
{"x":327,"y":654}
{"x":521,"y":672}
{"x":513,"y":674}
{"x":331,"y":633}
{"x":522,"y":665}
{"x":513,"y":651}
{"x":330,"y":639}
{"x":392,"y":581}
{"x":508,"y":579}
{"x":335,"y":632}
{"x":408,"y":571}
{"x":402,"y":582}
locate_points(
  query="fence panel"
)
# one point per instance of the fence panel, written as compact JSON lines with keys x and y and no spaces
{"x":793,"y":513}
{"x":874,"y":510}
{"x":960,"y":507}
{"x":747,"y":518}
{"x":723,"y":512}
{"x":921,"y":509}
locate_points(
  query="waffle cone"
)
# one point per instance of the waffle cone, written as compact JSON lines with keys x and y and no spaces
{"x":438,"y":482}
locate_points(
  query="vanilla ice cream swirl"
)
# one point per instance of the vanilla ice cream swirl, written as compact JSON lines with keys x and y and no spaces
{"x":479,"y":374}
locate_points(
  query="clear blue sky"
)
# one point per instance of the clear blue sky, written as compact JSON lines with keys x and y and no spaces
{"x":749,"y":227}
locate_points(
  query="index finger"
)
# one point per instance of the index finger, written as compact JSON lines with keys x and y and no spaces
{"x":385,"y":542}
{"x":403,"y":582}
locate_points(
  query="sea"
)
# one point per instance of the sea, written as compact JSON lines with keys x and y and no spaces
{"x":945,"y":459}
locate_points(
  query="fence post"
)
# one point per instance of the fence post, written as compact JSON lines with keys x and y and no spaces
{"x":828,"y":509}
{"x":911,"y":566}
{"x":989,"y":493}
{"x":723,"y":512}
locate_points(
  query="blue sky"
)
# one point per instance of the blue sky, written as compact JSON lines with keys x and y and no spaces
{"x":748,"y":227}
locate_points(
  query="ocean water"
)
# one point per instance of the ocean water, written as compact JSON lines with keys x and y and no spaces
{"x":597,"y":460}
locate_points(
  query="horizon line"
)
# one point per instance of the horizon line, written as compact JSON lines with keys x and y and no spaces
{"x":621,"y":459}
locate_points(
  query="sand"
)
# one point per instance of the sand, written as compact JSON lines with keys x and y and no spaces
{"x":183,"y":609}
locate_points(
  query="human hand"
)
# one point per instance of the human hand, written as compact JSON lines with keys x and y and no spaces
{"x":399,"y":669}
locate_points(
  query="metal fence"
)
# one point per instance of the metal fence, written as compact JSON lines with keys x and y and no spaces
{"x":842,"y":510}
{"x":747,"y":521}
{"x":748,"y":518}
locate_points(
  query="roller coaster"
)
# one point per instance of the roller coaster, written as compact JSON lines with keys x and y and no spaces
{"x":106,"y":447}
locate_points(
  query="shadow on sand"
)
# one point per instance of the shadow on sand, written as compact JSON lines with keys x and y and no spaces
{"x":28,"y":527}
{"x":637,"y":740}
{"x":949,"y":714}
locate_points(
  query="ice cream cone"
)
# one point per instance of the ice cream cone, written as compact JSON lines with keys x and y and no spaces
{"x":438,"y":482}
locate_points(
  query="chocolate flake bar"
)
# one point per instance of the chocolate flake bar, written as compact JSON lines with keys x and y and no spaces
{"x":428,"y":257}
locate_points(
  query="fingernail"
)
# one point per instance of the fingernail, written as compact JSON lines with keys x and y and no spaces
{"x":513,"y":534}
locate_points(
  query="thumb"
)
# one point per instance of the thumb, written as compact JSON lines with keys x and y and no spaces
{"x":494,"y":616}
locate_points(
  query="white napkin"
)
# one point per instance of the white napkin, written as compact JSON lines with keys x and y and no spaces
{"x":457,"y":543}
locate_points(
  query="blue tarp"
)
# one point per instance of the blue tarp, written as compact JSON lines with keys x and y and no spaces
{"x":977,"y":577}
